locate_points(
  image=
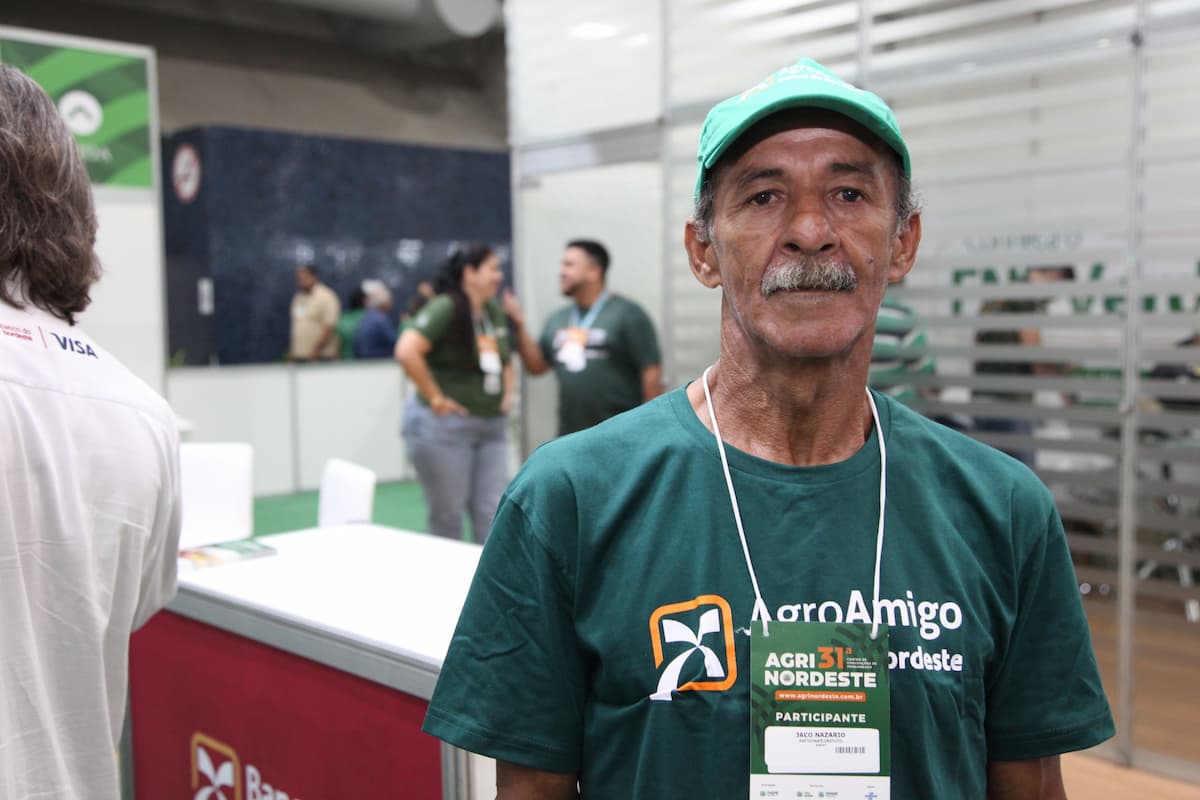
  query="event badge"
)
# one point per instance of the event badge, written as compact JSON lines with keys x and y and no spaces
{"x":489,"y":362}
{"x":573,"y":353}
{"x":820,"y":711}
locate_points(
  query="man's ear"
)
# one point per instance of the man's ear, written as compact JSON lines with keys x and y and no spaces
{"x":701,"y":257}
{"x":904,"y":250}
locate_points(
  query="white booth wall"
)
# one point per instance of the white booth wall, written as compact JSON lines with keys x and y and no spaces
{"x":127,"y":313}
{"x":297,"y":417}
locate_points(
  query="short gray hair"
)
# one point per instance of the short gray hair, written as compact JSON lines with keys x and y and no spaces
{"x":378,"y":295}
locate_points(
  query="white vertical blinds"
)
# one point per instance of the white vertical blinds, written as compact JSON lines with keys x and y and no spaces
{"x":576,"y":68}
{"x":1171,"y":236}
{"x":695,"y":314}
{"x":909,"y":36}
{"x":716,"y":49}
{"x":1025,"y":164}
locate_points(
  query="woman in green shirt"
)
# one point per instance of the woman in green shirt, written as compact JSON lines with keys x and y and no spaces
{"x":456,"y":353}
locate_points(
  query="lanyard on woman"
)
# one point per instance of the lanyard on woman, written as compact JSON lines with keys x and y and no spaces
{"x":488,"y":347}
{"x":483,"y":325}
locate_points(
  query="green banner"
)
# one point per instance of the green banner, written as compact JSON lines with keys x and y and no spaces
{"x":104,"y":99}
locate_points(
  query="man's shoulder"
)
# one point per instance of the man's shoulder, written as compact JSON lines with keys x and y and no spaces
{"x":324,"y":294}
{"x":947,"y":448}
{"x":41,"y":353}
{"x":625,"y":305}
{"x":559,"y":317}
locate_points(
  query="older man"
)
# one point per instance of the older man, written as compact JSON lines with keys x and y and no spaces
{"x":89,"y":476}
{"x":789,"y":584}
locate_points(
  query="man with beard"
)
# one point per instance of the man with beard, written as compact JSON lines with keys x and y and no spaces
{"x":671,"y":602}
{"x":602,"y":347}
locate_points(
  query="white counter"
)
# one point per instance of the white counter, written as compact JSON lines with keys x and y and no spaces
{"x":377,"y":602}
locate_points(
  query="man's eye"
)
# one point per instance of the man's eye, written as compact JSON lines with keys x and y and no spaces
{"x":762,"y":198}
{"x":850,"y":195}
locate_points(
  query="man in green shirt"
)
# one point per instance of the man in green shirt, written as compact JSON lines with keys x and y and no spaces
{"x":602,"y":347}
{"x":612,"y":640}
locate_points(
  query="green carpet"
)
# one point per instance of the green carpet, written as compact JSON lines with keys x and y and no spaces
{"x":399,"y":505}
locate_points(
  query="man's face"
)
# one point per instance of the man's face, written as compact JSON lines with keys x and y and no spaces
{"x":577,"y":270}
{"x":805,"y":238}
{"x":305,"y":280}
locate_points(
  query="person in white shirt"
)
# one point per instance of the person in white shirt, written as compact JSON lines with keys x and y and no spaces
{"x":89,"y":477}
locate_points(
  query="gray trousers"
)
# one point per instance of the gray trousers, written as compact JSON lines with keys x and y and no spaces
{"x":462,"y":463}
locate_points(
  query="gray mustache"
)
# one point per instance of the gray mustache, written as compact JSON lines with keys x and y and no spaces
{"x":809,"y":274}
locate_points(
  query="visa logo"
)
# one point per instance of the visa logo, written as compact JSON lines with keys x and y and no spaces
{"x":74,"y":345}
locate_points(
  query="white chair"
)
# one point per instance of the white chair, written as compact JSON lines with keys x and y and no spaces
{"x":217,"y":487}
{"x":347,"y":494}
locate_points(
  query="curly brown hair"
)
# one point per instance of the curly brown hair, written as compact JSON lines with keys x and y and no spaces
{"x":47,"y":218}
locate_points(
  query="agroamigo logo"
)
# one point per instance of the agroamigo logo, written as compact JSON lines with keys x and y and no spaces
{"x":218,"y":774}
{"x":209,"y":781}
{"x":711,"y":639}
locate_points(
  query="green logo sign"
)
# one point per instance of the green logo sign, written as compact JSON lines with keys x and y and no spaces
{"x":104,"y":100}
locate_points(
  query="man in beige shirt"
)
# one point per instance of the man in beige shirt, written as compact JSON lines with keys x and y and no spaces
{"x":315,"y":310}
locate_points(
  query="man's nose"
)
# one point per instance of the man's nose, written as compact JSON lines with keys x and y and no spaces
{"x":809,"y":230}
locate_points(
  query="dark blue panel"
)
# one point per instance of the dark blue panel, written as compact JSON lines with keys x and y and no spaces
{"x":185,"y":232}
{"x":354,"y":208}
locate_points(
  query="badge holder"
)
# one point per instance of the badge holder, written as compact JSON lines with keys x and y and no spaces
{"x":820,"y":711}
{"x":572,"y":354}
{"x":489,"y":363}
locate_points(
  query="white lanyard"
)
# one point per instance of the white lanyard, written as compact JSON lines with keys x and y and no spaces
{"x":483,"y":325}
{"x":587,"y":321}
{"x":760,"y":607}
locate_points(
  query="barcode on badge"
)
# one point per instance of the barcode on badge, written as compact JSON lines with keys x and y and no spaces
{"x":856,"y":750}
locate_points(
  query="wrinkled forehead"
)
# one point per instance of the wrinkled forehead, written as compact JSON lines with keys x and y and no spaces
{"x":801,"y":118}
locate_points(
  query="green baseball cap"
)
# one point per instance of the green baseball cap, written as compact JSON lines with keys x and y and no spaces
{"x":805,"y":84}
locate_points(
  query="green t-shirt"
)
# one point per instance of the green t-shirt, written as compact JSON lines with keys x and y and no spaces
{"x":345,"y":328}
{"x":454,"y":364}
{"x":554,"y":658}
{"x":621,"y":343}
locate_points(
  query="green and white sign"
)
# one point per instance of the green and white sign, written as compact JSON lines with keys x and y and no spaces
{"x":820,"y":711}
{"x":104,"y":99}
